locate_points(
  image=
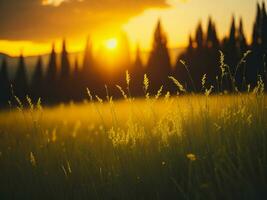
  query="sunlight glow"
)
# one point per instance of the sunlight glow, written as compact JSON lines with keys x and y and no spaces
{"x":112,"y":43}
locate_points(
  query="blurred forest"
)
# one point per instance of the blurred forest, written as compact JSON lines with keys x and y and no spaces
{"x":244,"y":62}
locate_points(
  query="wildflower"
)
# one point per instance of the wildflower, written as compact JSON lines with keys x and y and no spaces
{"x":191,"y":157}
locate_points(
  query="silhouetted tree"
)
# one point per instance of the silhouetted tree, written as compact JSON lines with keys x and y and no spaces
{"x":199,"y":36}
{"x":242,"y":47}
{"x":137,"y":73}
{"x":88,"y":56}
{"x":232,"y":36}
{"x":20,"y":82}
{"x":190,"y":47}
{"x":124,"y":63}
{"x":5,"y":91}
{"x":65,"y":64}
{"x":51,"y":85}
{"x":209,"y":39}
{"x":214,"y":38}
{"x":38,"y":80}
{"x":65,"y":74}
{"x":231,"y":53}
{"x":77,"y":89}
{"x":264,"y":41}
{"x":256,"y":61}
{"x":90,"y":74}
{"x":264,"y":29}
{"x":159,"y":66}
{"x":256,"y":38}
{"x":241,"y":39}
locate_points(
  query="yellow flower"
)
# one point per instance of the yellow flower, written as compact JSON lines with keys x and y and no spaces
{"x":191,"y":157}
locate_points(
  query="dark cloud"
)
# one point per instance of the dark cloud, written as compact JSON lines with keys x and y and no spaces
{"x":31,"y":20}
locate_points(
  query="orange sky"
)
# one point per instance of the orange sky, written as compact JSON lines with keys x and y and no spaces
{"x":138,"y":20}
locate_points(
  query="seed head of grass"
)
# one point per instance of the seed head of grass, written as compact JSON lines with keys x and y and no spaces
{"x":30,"y":103}
{"x":128,"y":78}
{"x":20,"y":105}
{"x":99,"y":99}
{"x":159,"y":92}
{"x":122,"y":91}
{"x":178,"y":84}
{"x":32,"y":159}
{"x":39,"y":104}
{"x":222,"y":64}
{"x":146,"y":83}
{"x":89,"y":94}
{"x":167,"y":95}
{"x":203,"y":80}
{"x":209,"y":91}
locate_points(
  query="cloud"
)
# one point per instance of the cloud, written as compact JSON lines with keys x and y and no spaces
{"x":41,"y":20}
{"x":52,"y":2}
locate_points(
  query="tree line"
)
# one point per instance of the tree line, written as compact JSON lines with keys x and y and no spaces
{"x":207,"y":57}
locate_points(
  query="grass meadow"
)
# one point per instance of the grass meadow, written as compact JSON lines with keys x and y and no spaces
{"x":159,"y":147}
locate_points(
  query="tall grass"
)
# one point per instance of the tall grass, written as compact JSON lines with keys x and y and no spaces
{"x":161,"y":147}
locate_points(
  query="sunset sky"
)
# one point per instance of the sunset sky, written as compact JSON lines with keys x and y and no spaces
{"x":32,"y":25}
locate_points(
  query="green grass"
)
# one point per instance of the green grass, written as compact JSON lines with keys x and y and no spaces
{"x":188,"y":147}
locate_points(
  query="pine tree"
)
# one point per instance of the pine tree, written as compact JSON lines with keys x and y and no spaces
{"x":76,"y":89}
{"x":209,"y":40}
{"x":264,"y":28}
{"x":241,"y":39}
{"x":232,"y":35}
{"x":256,"y":38}
{"x":37,"y":80}
{"x":76,"y":71}
{"x":214,"y":38}
{"x":20,"y":82}
{"x":65,"y":64}
{"x":64,"y":93}
{"x":159,"y":66}
{"x":190,"y":47}
{"x":137,"y":73}
{"x":264,"y":41}
{"x":138,"y":60}
{"x":89,"y":75}
{"x":88,"y":56}
{"x":51,"y":75}
{"x":199,"y":36}
{"x":4,"y":84}
{"x":51,"y":86}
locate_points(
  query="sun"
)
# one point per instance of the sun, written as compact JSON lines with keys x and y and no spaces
{"x":111,"y":43}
